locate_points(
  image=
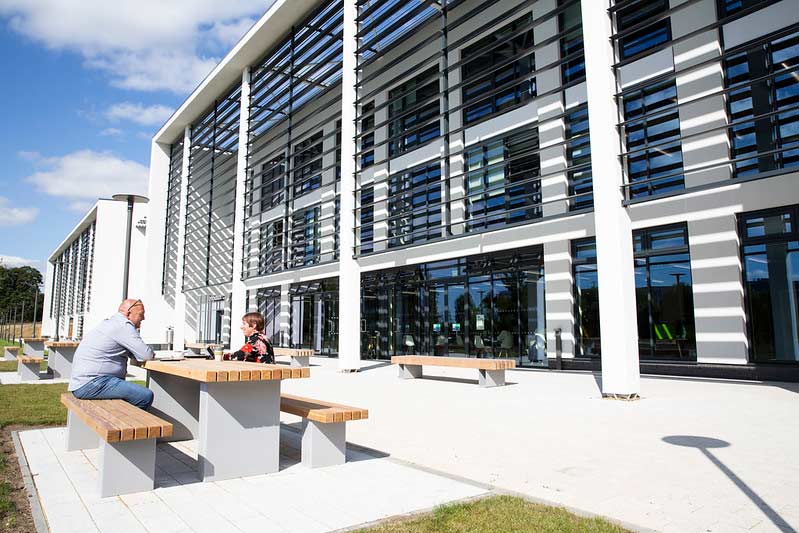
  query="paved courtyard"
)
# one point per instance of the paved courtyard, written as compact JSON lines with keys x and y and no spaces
{"x":691,"y":455}
{"x":551,"y":436}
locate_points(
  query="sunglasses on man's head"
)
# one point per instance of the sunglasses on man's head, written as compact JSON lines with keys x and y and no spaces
{"x":134,"y":304}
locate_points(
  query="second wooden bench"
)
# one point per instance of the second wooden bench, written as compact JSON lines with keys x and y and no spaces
{"x":492,"y":371}
{"x":324,"y":438}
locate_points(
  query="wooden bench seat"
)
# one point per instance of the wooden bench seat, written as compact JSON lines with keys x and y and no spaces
{"x":491,"y":371}
{"x":126,"y":436}
{"x":324,"y":440}
{"x":299,"y":356}
{"x":28,"y":367}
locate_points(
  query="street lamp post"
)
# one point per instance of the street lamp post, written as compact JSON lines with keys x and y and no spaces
{"x":130,"y":199}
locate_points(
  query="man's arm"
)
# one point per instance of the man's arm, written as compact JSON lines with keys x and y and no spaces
{"x":129,"y":337}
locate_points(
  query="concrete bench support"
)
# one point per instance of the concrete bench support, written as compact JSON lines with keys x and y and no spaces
{"x":492,"y":378}
{"x":79,"y":435}
{"x":60,"y":359}
{"x":10,"y":353}
{"x":300,"y":360}
{"x":323,"y":444}
{"x":33,"y":347}
{"x":127,"y":467}
{"x":410,"y":371}
{"x":28,"y":370}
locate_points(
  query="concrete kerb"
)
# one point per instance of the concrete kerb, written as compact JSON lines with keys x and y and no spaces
{"x":39,"y":521}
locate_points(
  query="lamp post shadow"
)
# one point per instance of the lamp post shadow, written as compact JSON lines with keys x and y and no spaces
{"x":704,"y":445}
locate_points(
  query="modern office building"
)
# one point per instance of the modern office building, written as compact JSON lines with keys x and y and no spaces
{"x":570,"y":183}
{"x":86,"y":272}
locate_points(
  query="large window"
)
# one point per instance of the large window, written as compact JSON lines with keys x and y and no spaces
{"x":664,"y":294}
{"x":271,"y":247}
{"x":578,"y":158}
{"x":570,"y":24}
{"x":413,"y":111}
{"x":496,"y":71}
{"x":268,"y":302}
{"x":367,"y":220}
{"x":586,"y":298}
{"x":479,"y":306}
{"x":770,"y":242}
{"x":770,"y":141}
{"x":502,"y":185}
{"x":652,"y":133}
{"x":305,"y":233}
{"x":368,"y":135}
{"x":308,"y":165}
{"x":642,"y":26}
{"x":414,"y":205}
{"x":273,"y":183}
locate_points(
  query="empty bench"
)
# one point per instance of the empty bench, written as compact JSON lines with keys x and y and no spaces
{"x":10,"y":353}
{"x":324,"y":441}
{"x":126,"y":436}
{"x":28,"y":367}
{"x":299,"y":357}
{"x":491,"y":371}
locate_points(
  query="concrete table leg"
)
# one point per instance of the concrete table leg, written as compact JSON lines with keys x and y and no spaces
{"x":410,"y":371}
{"x":323,"y":444}
{"x":9,"y":354}
{"x":300,"y":360}
{"x":127,"y":467}
{"x":28,"y":371}
{"x":239,"y":429}
{"x":492,"y":378}
{"x":60,"y":362}
{"x":33,"y":349}
{"x":79,"y":435}
{"x":176,"y":400}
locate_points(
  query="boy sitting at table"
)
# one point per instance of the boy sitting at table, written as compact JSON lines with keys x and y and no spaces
{"x":257,"y":348}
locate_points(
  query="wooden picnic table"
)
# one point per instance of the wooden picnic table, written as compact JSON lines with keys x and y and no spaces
{"x":232,"y":409}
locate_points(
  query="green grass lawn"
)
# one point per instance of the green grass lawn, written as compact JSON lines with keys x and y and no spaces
{"x":498,"y":514}
{"x":11,"y":366}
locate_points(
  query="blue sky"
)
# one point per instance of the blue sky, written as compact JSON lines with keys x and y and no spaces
{"x":86,"y":83}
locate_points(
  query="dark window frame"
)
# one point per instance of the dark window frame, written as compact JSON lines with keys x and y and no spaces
{"x":648,"y":37}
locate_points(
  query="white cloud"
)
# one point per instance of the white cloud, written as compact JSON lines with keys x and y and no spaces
{"x":29,"y":155}
{"x":142,"y":44}
{"x":153,"y":115}
{"x":111,"y":132}
{"x":86,"y":175}
{"x":15,"y":216}
{"x":12,"y":261}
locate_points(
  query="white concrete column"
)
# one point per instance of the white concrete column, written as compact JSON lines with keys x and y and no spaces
{"x":182,"y":330}
{"x":238,"y":290}
{"x":349,"y":338}
{"x":617,"y":310}
{"x":380,"y":172}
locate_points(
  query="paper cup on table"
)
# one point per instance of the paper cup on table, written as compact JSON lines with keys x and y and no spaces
{"x":218,"y":355}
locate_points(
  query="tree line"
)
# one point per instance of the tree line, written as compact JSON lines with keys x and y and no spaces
{"x":18,"y":285}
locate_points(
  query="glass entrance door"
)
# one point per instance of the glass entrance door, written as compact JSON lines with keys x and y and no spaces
{"x":447,"y":315}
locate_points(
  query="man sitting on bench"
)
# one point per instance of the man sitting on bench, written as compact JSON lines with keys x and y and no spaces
{"x":101,"y":360}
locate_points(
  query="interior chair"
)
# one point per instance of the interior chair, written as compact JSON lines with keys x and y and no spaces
{"x":407,"y":341}
{"x":505,"y":343}
{"x":479,"y":346}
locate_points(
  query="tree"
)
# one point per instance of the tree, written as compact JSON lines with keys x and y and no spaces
{"x":18,"y":285}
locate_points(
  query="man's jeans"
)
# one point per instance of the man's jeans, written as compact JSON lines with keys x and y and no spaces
{"x":113,"y":388}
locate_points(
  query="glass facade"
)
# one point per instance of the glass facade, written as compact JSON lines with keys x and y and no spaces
{"x":642,"y":26}
{"x":314,"y":316}
{"x":586,"y":299}
{"x":770,"y":243}
{"x":578,"y":158}
{"x":413,"y":112}
{"x":664,"y":294}
{"x":268,"y":304}
{"x":764,"y":132}
{"x":570,"y":24}
{"x":503,"y":185}
{"x":497,"y":71}
{"x":414,"y":205}
{"x":652,"y":133}
{"x":479,"y":306}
